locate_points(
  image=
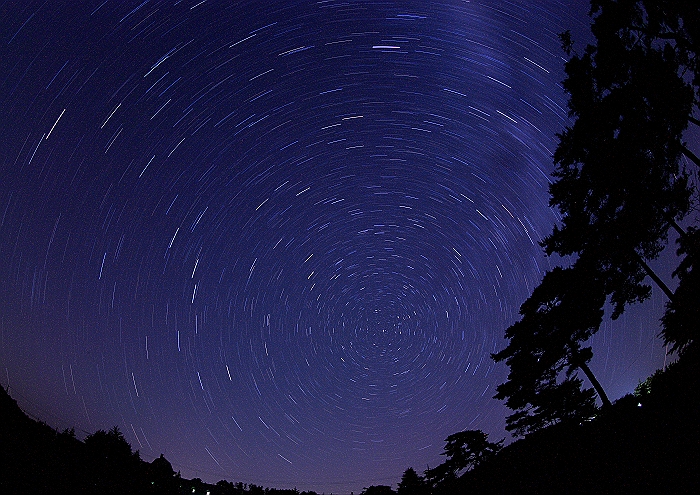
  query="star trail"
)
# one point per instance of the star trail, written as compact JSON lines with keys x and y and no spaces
{"x":278,"y":241}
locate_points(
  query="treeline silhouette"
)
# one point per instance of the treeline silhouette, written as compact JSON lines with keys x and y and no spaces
{"x":37,"y":459}
{"x":646,"y":442}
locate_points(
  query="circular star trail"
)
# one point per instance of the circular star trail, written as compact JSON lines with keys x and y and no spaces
{"x":278,"y":241}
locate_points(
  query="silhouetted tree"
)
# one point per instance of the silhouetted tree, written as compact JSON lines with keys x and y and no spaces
{"x":161,"y":476}
{"x":378,"y":490}
{"x":196,"y":486}
{"x":544,"y":352}
{"x":224,"y":487}
{"x":113,"y":467}
{"x":620,"y":182}
{"x":464,"y":450}
{"x":255,"y":489}
{"x":411,"y":483}
{"x":620,"y":185}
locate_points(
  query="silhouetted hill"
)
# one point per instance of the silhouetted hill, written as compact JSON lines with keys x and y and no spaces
{"x":36,"y":459}
{"x":645,"y":443}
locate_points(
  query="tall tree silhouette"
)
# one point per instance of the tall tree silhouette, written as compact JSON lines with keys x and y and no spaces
{"x":619,"y":183}
{"x":545,"y":353}
{"x":620,"y":186}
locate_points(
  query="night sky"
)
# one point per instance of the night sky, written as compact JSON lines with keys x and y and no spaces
{"x":278,"y":241}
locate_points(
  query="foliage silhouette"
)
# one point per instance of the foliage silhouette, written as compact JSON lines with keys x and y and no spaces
{"x":544,"y":352}
{"x":39,"y":460}
{"x":680,"y":322}
{"x":464,"y":450}
{"x":161,"y":475}
{"x":412,"y":483}
{"x":619,"y":182}
{"x":620,"y":186}
{"x":378,"y":490}
{"x":112,"y":466}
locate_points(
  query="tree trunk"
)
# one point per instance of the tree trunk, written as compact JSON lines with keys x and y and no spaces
{"x":677,"y":227}
{"x":689,"y":154}
{"x":596,"y":384}
{"x":654,"y":277}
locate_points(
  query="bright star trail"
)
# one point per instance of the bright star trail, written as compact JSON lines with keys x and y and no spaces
{"x":278,"y":241}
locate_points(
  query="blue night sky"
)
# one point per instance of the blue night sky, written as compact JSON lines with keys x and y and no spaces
{"x":278,"y":241}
